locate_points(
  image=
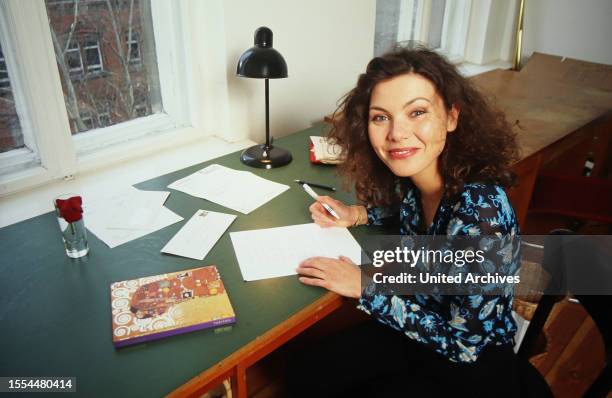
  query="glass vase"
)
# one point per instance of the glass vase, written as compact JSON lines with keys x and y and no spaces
{"x":74,"y":234}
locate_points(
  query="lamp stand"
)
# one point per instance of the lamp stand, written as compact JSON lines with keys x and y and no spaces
{"x":266,"y":156}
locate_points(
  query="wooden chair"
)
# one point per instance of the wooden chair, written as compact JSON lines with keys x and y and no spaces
{"x":560,"y":256}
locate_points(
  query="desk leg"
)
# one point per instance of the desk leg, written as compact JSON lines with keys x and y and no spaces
{"x":239,"y":385}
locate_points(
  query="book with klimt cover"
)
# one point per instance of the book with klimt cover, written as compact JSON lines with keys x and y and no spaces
{"x":163,"y":305}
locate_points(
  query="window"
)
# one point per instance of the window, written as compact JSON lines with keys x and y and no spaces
{"x":91,"y":49}
{"x":462,"y":30}
{"x":73,"y":58}
{"x":140,"y":109}
{"x":439,"y":24}
{"x":103,"y":59}
{"x":10,"y":127}
{"x":69,"y":100}
{"x":4,"y":79}
{"x":140,"y":103}
{"x":104,"y":119}
{"x":87,"y":119}
{"x":133,"y":47}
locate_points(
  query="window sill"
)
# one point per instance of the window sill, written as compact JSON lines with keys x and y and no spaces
{"x":101,"y":148}
{"x":468,"y":69}
{"x":34,"y":202}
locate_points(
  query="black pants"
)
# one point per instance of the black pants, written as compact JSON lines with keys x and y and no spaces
{"x":374,"y":360}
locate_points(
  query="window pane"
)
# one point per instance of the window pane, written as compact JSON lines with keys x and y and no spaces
{"x":10,"y":129}
{"x":134,"y":52}
{"x":104,"y":119}
{"x":440,"y":25}
{"x":108,"y":75}
{"x":73,"y":59}
{"x":134,"y":45}
{"x":434,"y":39}
{"x":93,"y":58}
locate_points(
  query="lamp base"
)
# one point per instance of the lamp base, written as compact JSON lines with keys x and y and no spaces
{"x":264,"y":157}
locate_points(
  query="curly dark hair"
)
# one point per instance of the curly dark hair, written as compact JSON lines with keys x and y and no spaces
{"x":482,"y":148}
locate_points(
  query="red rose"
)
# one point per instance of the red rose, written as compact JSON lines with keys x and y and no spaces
{"x":70,"y":209}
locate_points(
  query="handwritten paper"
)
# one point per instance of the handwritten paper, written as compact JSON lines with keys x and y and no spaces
{"x":274,"y":252}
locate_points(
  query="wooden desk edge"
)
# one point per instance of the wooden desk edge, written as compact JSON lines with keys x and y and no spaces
{"x":235,"y":365}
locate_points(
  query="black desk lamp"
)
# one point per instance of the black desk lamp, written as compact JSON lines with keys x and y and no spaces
{"x":263,"y":62}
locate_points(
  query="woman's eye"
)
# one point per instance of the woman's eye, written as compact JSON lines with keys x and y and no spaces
{"x":379,"y":118}
{"x":417,"y":113}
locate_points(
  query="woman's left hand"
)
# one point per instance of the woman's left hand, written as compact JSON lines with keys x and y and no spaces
{"x":340,"y":276}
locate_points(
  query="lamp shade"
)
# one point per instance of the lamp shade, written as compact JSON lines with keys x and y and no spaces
{"x":262,"y":61}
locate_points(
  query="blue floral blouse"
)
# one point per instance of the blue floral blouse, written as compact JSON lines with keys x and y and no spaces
{"x":458,"y":327}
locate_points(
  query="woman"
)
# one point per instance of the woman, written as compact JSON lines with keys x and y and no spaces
{"x":425,"y":150}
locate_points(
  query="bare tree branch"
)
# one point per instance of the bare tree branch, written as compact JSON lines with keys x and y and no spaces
{"x":129,"y":37}
{"x":7,"y":100}
{"x":121,"y":97}
{"x":92,"y":100}
{"x":124,"y":63}
{"x":72,"y":26}
{"x":110,"y":45}
{"x":113,"y":18}
{"x":72,"y":105}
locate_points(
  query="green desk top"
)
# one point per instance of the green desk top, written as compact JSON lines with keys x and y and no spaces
{"x":55,"y":315}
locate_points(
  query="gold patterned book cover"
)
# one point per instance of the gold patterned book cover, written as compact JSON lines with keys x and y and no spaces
{"x":159,"y":306}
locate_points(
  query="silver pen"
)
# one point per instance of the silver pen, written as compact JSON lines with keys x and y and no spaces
{"x":314,"y":195}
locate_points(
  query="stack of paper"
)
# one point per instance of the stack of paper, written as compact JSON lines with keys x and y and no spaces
{"x":119,"y":217}
{"x":273,"y":252}
{"x":199,"y":234}
{"x":242,"y":191}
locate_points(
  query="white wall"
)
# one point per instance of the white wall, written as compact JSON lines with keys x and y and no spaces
{"x":326,"y":44}
{"x":570,"y":28}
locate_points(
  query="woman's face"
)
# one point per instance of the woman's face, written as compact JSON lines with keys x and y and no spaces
{"x":408,"y":123}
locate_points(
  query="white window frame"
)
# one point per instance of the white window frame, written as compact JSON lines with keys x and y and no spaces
{"x":454,"y":36}
{"x":413,"y":20}
{"x":40,"y":101}
{"x":415,"y":24}
{"x":491,"y":33}
{"x":482,"y":36}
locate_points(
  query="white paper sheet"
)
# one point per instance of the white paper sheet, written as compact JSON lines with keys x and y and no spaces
{"x":242,"y":191}
{"x":127,"y":214}
{"x":274,"y":252}
{"x":137,"y":209}
{"x":199,"y":234}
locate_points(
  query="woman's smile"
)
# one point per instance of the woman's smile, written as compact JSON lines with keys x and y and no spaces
{"x":402,"y":153}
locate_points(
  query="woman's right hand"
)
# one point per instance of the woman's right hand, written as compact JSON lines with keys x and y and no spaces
{"x":348,"y":214}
